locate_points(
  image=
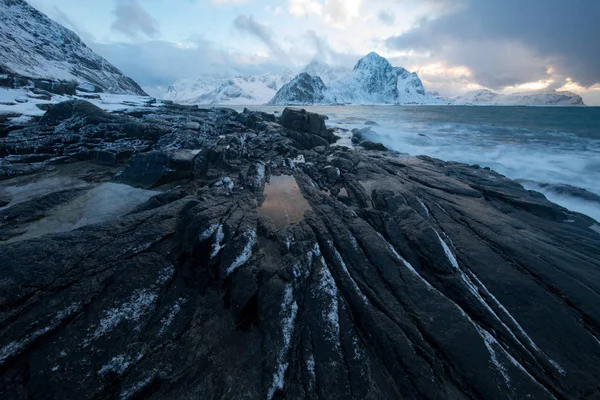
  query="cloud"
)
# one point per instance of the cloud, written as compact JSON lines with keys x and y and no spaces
{"x":132,"y":20}
{"x":386,"y":17}
{"x":339,"y":13}
{"x":247,"y":24}
{"x":513,"y":41}
{"x":160,"y":63}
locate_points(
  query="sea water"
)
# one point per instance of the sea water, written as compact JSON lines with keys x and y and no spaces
{"x":540,"y":145}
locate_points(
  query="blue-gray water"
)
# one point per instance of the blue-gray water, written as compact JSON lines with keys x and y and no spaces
{"x":556,"y":145}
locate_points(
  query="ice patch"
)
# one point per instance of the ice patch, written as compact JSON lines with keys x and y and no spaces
{"x":246,"y":252}
{"x":595,"y":228}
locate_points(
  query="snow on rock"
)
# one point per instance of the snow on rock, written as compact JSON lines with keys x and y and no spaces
{"x":35,"y":106}
{"x":118,"y":364}
{"x":135,"y":307}
{"x":328,"y":288}
{"x":289,"y":310}
{"x":16,"y":347}
{"x":34,"y":46}
{"x":246,"y":252}
{"x":218,"y":243}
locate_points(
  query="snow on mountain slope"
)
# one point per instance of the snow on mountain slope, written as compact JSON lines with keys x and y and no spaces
{"x":34,"y":46}
{"x":304,"y":90}
{"x":544,"y":97}
{"x":186,"y":89}
{"x":239,"y":90}
{"x":372,"y":81}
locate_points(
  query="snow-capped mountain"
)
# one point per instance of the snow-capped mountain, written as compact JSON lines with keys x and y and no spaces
{"x":544,"y":97}
{"x":304,"y":89}
{"x":326,"y":72}
{"x":34,"y":46}
{"x":239,"y":90}
{"x":372,"y":81}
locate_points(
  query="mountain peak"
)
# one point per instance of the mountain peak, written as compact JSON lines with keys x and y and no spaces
{"x":372,"y":59}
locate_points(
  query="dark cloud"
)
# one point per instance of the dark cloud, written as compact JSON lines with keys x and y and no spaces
{"x":247,"y":24}
{"x":386,"y":17}
{"x":513,"y":41}
{"x":132,"y":20}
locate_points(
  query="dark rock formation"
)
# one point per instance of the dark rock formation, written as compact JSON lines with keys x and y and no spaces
{"x":272,"y":269}
{"x":304,"y":89}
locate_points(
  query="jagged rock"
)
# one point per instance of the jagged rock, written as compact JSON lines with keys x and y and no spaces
{"x":354,"y":274}
{"x":372,"y":145}
{"x":300,"y":120}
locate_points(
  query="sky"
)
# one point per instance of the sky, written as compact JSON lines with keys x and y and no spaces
{"x":454,"y":45}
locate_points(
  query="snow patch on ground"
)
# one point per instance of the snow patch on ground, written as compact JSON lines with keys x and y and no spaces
{"x":340,"y":260}
{"x":330,"y":312}
{"x":448,"y":252}
{"x":133,"y":309}
{"x":246,"y":252}
{"x":289,"y":310}
{"x":168,"y":320}
{"x":218,"y":244}
{"x":424,"y":206}
{"x":106,"y":101}
{"x":208,"y":232}
{"x":406,"y":263}
{"x":15,"y":347}
{"x":118,"y":364}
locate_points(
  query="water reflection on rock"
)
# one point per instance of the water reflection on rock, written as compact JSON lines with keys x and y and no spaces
{"x":284,"y":204}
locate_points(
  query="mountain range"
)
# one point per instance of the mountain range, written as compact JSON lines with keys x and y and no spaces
{"x":546,"y":97}
{"x":372,"y":81}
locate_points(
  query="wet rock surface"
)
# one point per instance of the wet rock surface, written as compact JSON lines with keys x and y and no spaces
{"x":389,"y":277}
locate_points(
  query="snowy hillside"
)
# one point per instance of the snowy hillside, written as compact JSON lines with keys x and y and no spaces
{"x":372,"y":81}
{"x":34,"y":46}
{"x":544,"y":97}
{"x":239,"y":90}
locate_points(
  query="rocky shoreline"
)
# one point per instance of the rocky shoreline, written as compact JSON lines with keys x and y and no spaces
{"x":241,"y":255}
